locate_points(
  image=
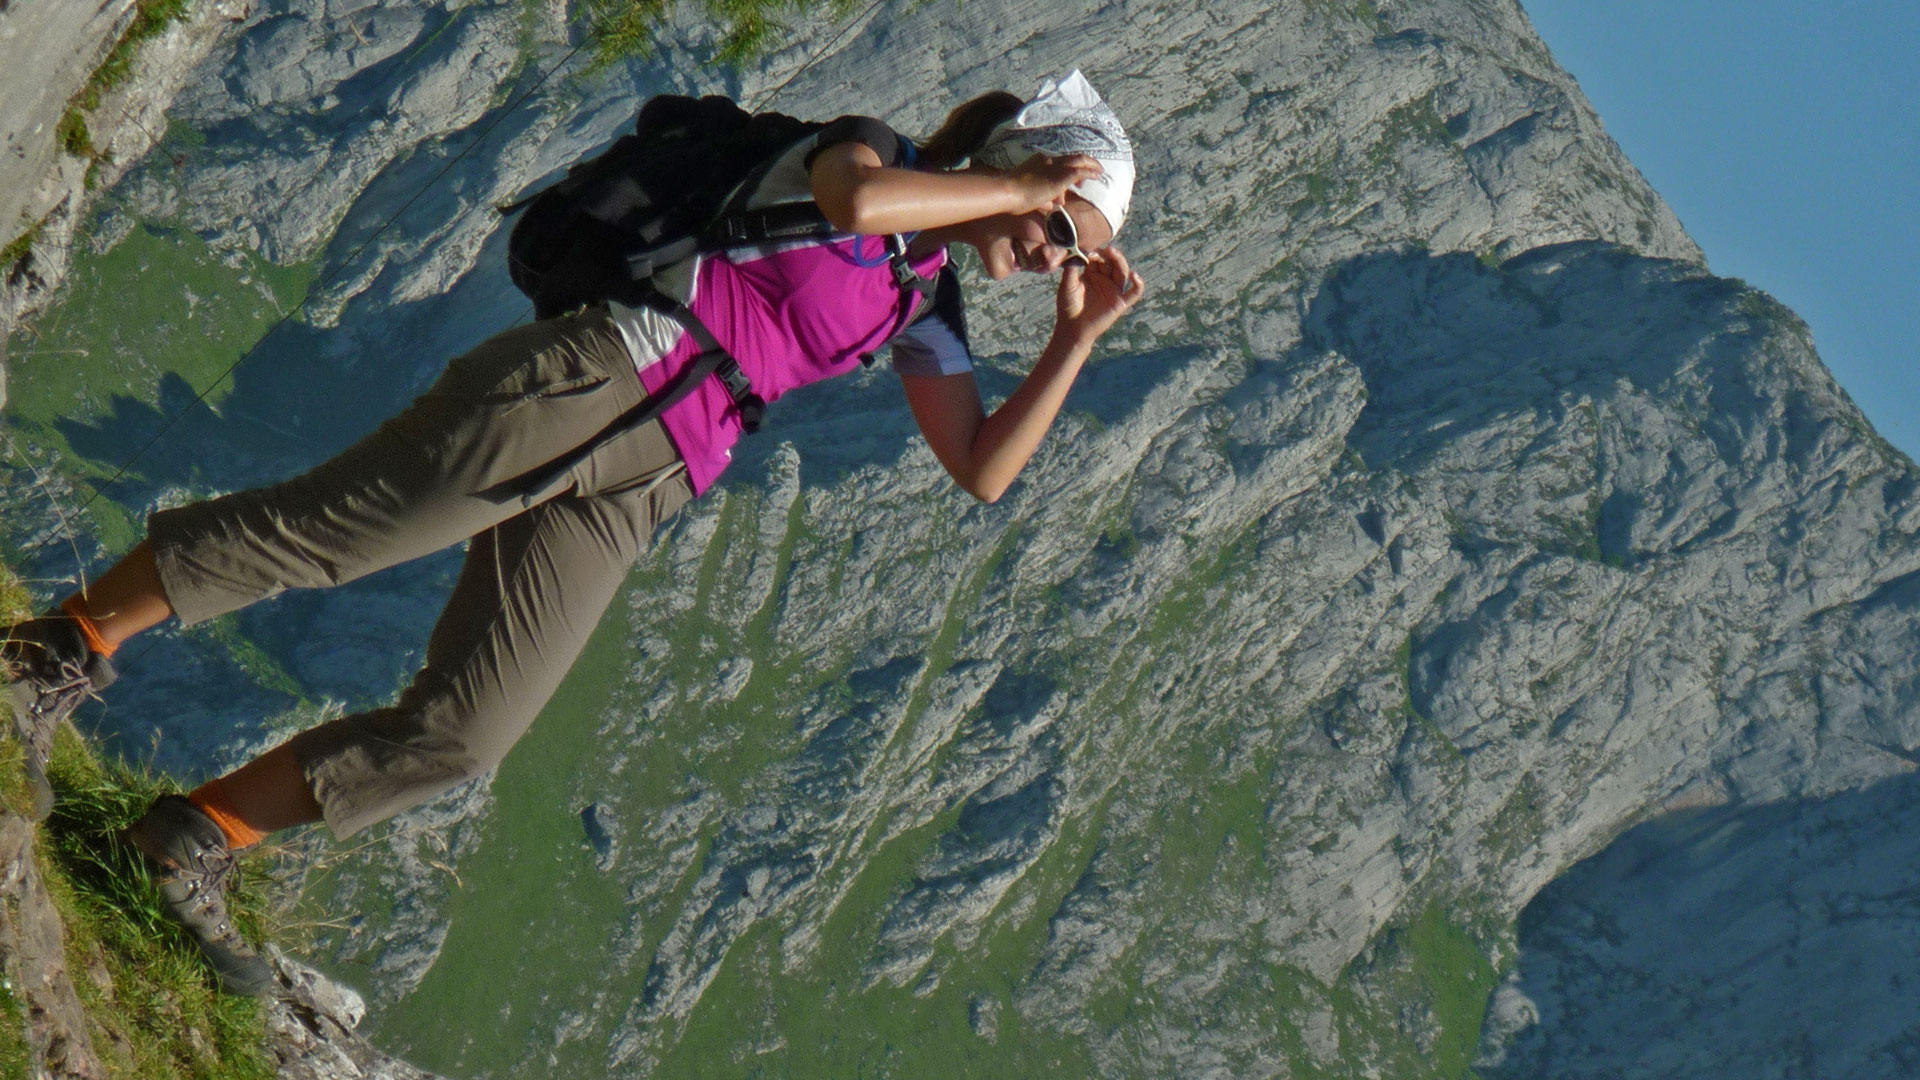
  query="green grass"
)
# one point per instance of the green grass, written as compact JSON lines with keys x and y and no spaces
{"x":72,"y":133}
{"x":159,"y":303}
{"x":158,"y":1015}
{"x":19,"y":248}
{"x":249,"y":657}
{"x":619,"y":29}
{"x":15,"y":601}
{"x":1431,"y":961}
{"x":1415,"y":121}
{"x":1459,"y":979}
{"x":16,"y":1059}
{"x":885,"y":1030}
{"x":150,"y":18}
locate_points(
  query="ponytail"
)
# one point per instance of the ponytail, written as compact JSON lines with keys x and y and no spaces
{"x":966,"y":129}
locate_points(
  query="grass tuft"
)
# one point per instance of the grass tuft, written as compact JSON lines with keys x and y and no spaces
{"x":19,"y":248}
{"x":72,"y":132}
{"x":150,"y":17}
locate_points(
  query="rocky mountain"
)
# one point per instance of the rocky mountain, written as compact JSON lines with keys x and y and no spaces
{"x":1438,"y":519}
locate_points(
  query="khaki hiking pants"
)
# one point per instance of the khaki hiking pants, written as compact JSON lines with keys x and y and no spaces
{"x":535,"y":581}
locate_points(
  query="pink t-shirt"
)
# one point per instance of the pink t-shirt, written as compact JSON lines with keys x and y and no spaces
{"x":789,"y":318}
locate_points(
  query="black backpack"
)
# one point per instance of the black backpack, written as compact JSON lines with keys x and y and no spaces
{"x":675,"y":187}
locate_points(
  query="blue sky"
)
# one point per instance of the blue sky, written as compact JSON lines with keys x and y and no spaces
{"x":1787,"y":138}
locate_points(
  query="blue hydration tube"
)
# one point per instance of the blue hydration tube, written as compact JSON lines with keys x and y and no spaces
{"x":885,"y":255}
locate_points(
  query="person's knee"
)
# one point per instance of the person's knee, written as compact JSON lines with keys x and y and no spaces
{"x":483,"y":745}
{"x":477,"y":765}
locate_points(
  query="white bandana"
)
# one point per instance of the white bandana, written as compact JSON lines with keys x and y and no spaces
{"x":1068,"y":117}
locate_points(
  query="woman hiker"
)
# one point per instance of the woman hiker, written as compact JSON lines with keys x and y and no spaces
{"x":1039,"y":186}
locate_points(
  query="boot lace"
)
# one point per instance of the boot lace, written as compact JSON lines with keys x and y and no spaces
{"x":57,"y":692}
{"x":207,"y":891}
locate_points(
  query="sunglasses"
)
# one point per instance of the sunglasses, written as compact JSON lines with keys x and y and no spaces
{"x":1062,"y":234}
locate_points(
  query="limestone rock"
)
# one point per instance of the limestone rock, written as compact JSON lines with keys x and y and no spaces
{"x":33,"y":964}
{"x":52,"y":49}
{"x":310,"y":1031}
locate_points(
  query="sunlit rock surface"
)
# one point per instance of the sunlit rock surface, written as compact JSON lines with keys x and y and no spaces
{"x":1438,"y":517}
{"x":51,"y":50}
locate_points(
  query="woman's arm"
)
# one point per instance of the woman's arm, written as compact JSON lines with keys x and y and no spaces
{"x":984,"y":453}
{"x":860,"y":195}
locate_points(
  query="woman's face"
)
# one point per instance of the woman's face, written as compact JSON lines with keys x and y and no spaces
{"x":1010,"y":242}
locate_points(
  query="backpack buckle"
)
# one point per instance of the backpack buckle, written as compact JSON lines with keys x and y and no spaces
{"x":751,"y":406}
{"x":903,"y":275}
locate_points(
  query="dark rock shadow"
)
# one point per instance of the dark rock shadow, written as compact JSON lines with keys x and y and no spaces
{"x":1448,"y":344}
{"x":1739,"y":942}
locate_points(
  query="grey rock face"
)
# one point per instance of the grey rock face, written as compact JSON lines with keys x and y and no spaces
{"x":49,"y":51}
{"x":310,"y":1032}
{"x":1437,"y":518}
{"x":38,"y":988}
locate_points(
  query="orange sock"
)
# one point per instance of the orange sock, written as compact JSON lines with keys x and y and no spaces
{"x":211,"y":799}
{"x":76,"y":608}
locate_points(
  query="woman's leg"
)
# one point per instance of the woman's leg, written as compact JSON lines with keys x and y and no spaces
{"x":417,"y":484}
{"x":530,"y":592}
{"x":265,"y":795}
{"x":127,"y":599}
{"x":411,"y":487}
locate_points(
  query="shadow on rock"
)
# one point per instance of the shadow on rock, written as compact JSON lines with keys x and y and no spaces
{"x":1738,"y":942}
{"x":1449,"y":344}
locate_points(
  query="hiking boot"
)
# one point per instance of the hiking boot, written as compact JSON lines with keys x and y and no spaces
{"x":52,"y":672}
{"x":193,"y":862}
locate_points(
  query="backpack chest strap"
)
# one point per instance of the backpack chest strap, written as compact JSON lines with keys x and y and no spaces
{"x":713,"y":358}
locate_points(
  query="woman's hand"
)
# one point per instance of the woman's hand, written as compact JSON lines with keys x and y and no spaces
{"x":1042,"y":182}
{"x":984,"y":453}
{"x":1091,"y":298}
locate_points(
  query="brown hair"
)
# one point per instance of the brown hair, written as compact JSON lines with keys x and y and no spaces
{"x":966,"y":128}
